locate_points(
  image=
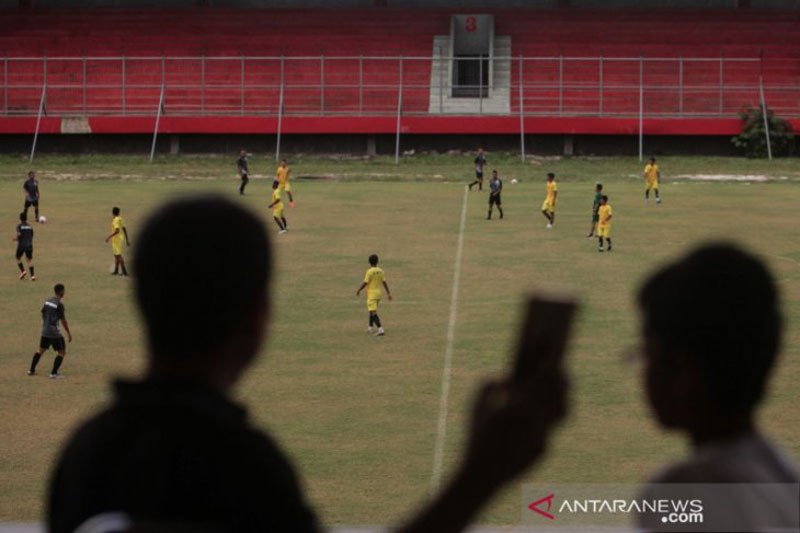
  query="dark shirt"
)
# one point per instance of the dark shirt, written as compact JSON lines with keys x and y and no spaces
{"x":480,"y":162}
{"x":24,"y":235}
{"x":496,"y":186}
{"x":180,"y":454}
{"x":52,"y":313}
{"x":241,"y":164}
{"x":596,"y":204}
{"x":31,"y":188}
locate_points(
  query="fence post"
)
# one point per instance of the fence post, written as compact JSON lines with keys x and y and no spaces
{"x":480,"y":84}
{"x":158,"y":120}
{"x":721,"y":87}
{"x":521,"y":113}
{"x":680,"y":85}
{"x":42,"y":109}
{"x":124,"y":88}
{"x":322,"y":84}
{"x":203,"y":84}
{"x":84,"y":84}
{"x":600,"y":96}
{"x":241,"y":87}
{"x":442,"y":66}
{"x":560,"y":84}
{"x":399,"y":111}
{"x":764,"y":114}
{"x":641,"y":109}
{"x":5,"y":81}
{"x":280,"y":116}
{"x":361,"y":84}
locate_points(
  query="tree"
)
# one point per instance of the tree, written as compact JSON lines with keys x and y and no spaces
{"x":753,"y":140}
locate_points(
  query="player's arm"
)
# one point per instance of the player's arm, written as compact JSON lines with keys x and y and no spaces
{"x":125,"y":231}
{"x":555,"y":196}
{"x":388,"y":292}
{"x":66,"y":328}
{"x":17,"y":236}
{"x":361,"y":288}
{"x":116,"y":232}
{"x":273,"y":204}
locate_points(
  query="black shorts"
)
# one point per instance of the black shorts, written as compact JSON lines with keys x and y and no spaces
{"x":27,"y":252}
{"x":56,"y":342}
{"x":28,"y":203}
{"x":494,"y":199}
{"x":244,"y":176}
{"x":479,"y":175}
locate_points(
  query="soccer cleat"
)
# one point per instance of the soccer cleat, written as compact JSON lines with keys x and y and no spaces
{"x":600,"y":249}
{"x":22,"y":274}
{"x":33,"y":278}
{"x":281,"y":232}
{"x":31,"y":372}
{"x":589,"y":236}
{"x":658,"y":200}
{"x":380,"y":332}
{"x":56,"y":376}
{"x":549,"y":226}
{"x":369,"y":329}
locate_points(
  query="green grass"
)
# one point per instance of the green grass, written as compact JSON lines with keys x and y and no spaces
{"x":359,"y":414}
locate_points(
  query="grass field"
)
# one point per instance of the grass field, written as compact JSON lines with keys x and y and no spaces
{"x":356,"y":413}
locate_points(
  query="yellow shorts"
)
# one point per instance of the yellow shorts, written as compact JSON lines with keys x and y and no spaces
{"x":285,"y":187}
{"x":116,"y":247}
{"x":651,"y":185}
{"x":604,"y":231}
{"x":277,"y":212}
{"x":548,"y":206}
{"x":372,"y":304}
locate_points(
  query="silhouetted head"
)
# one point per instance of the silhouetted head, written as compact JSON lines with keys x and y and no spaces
{"x":652,"y":160}
{"x":31,"y":175}
{"x":598,"y":187}
{"x":59,"y":290}
{"x":115,"y":211}
{"x":212,"y":314}
{"x":275,"y":184}
{"x":711,"y":328}
{"x":603,"y":200}
{"x":283,"y":162}
{"x":373,"y":260}
{"x":494,"y":174}
{"x":550,"y":176}
{"x":242,"y":152}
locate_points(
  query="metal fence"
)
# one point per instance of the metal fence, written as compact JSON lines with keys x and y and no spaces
{"x":367,"y":85}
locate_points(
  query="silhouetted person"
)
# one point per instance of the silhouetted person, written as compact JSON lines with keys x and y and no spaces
{"x":173,"y":452}
{"x":711,"y":334}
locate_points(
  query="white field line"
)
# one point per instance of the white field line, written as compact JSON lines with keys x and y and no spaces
{"x":441,"y":430}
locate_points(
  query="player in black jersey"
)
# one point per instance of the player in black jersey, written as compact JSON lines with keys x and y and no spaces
{"x":24,"y":238}
{"x":52,"y":315}
{"x":244,"y":173}
{"x":31,"y":188}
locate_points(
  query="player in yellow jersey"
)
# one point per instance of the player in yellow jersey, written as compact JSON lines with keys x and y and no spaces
{"x":549,"y":204}
{"x":277,"y":208}
{"x":604,"y":213}
{"x":282,"y":175}
{"x":375,"y":282}
{"x":651,"y":177}
{"x":118,"y":237}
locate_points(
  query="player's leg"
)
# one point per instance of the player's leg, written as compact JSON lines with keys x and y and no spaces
{"x":371,"y":321}
{"x":377,"y":321}
{"x":655,"y":191}
{"x":647,"y":193}
{"x":285,"y":224}
{"x":61,"y":351}
{"x":44,"y":344}
{"x":29,"y":257}
{"x":36,"y":209}
{"x":278,"y":222}
{"x":27,"y":205}
{"x":18,"y":256}
{"x":245,"y":179}
{"x":552,"y":217}
{"x":491,"y":203}
{"x":122,"y":265}
{"x":499,"y":208}
{"x":608,"y":242}
{"x":599,"y":242}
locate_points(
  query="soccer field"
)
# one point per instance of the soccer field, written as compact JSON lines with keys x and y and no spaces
{"x":360,"y":415}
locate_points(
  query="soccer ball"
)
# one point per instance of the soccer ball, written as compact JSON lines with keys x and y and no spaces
{"x":42,"y":219}
{"x":514,"y":181}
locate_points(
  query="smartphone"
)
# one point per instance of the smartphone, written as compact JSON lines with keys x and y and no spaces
{"x":543,"y":338}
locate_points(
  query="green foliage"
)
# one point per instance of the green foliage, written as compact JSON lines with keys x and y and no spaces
{"x":753,"y":140}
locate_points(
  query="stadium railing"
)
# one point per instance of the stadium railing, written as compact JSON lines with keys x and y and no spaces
{"x":203,"y":86}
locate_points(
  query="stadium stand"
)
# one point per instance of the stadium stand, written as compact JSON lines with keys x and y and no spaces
{"x":185,"y":47}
